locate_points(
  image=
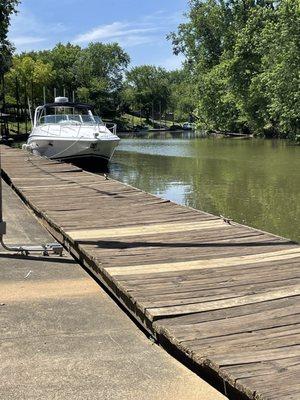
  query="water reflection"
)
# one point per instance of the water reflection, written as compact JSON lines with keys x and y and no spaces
{"x":255,"y":182}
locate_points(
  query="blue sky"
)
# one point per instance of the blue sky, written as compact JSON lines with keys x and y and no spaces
{"x":139,"y":26}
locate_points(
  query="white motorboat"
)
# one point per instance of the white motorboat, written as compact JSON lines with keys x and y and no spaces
{"x":70,"y":132}
{"x":188,"y":126}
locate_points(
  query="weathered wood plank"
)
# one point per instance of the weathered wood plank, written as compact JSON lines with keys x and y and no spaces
{"x":204,"y":264}
{"x":145,"y":230}
{"x":157,"y":312}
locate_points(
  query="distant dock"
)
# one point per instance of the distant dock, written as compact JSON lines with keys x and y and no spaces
{"x":221,"y":296}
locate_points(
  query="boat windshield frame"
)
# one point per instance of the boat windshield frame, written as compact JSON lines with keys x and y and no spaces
{"x":70,"y":116}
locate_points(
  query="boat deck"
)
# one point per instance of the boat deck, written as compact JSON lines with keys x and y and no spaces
{"x":223,"y":296}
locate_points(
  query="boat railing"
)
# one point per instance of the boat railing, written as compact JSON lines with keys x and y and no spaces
{"x":111,"y":126}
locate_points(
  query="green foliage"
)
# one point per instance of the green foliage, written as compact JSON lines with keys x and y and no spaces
{"x":245,"y":58}
{"x":183,"y":94}
{"x":216,"y":105}
{"x":27,"y":70}
{"x":63,"y":58}
{"x":100,"y":69}
{"x":280,"y":75}
{"x":94,"y":73}
{"x":147,"y":87}
{"x":30,"y":74}
{"x":7,"y":8}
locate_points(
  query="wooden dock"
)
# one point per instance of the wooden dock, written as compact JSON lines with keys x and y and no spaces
{"x":224,"y":297}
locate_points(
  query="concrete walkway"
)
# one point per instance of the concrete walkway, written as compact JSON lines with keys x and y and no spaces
{"x":63,"y":337}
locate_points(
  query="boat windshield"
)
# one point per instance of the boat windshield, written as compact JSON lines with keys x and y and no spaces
{"x":67,"y":115}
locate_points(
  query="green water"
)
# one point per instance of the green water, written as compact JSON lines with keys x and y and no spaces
{"x":255,"y":182}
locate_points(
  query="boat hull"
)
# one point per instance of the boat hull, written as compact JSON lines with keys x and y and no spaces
{"x":72,"y":150}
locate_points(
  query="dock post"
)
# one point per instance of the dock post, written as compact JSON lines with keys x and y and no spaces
{"x":2,"y":223}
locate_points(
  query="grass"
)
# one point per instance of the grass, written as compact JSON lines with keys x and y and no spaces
{"x":13,"y":127}
{"x":134,"y":120}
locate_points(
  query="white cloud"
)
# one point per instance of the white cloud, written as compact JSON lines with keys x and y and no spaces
{"x":115,"y":31}
{"x":26,"y":40}
{"x":148,"y":29}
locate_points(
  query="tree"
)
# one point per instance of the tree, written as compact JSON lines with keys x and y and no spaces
{"x":7,"y":8}
{"x":279,"y":79}
{"x":244,"y":58}
{"x":94,"y":73}
{"x":99,"y":72}
{"x":32,"y":74}
{"x":63,"y":58}
{"x":147,"y":87}
{"x":182,"y":98}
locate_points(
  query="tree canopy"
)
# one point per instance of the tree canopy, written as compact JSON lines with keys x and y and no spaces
{"x":147,"y":88}
{"x":245,"y":61}
{"x":94,"y":73}
{"x":242,"y":69}
{"x":7,"y":8}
